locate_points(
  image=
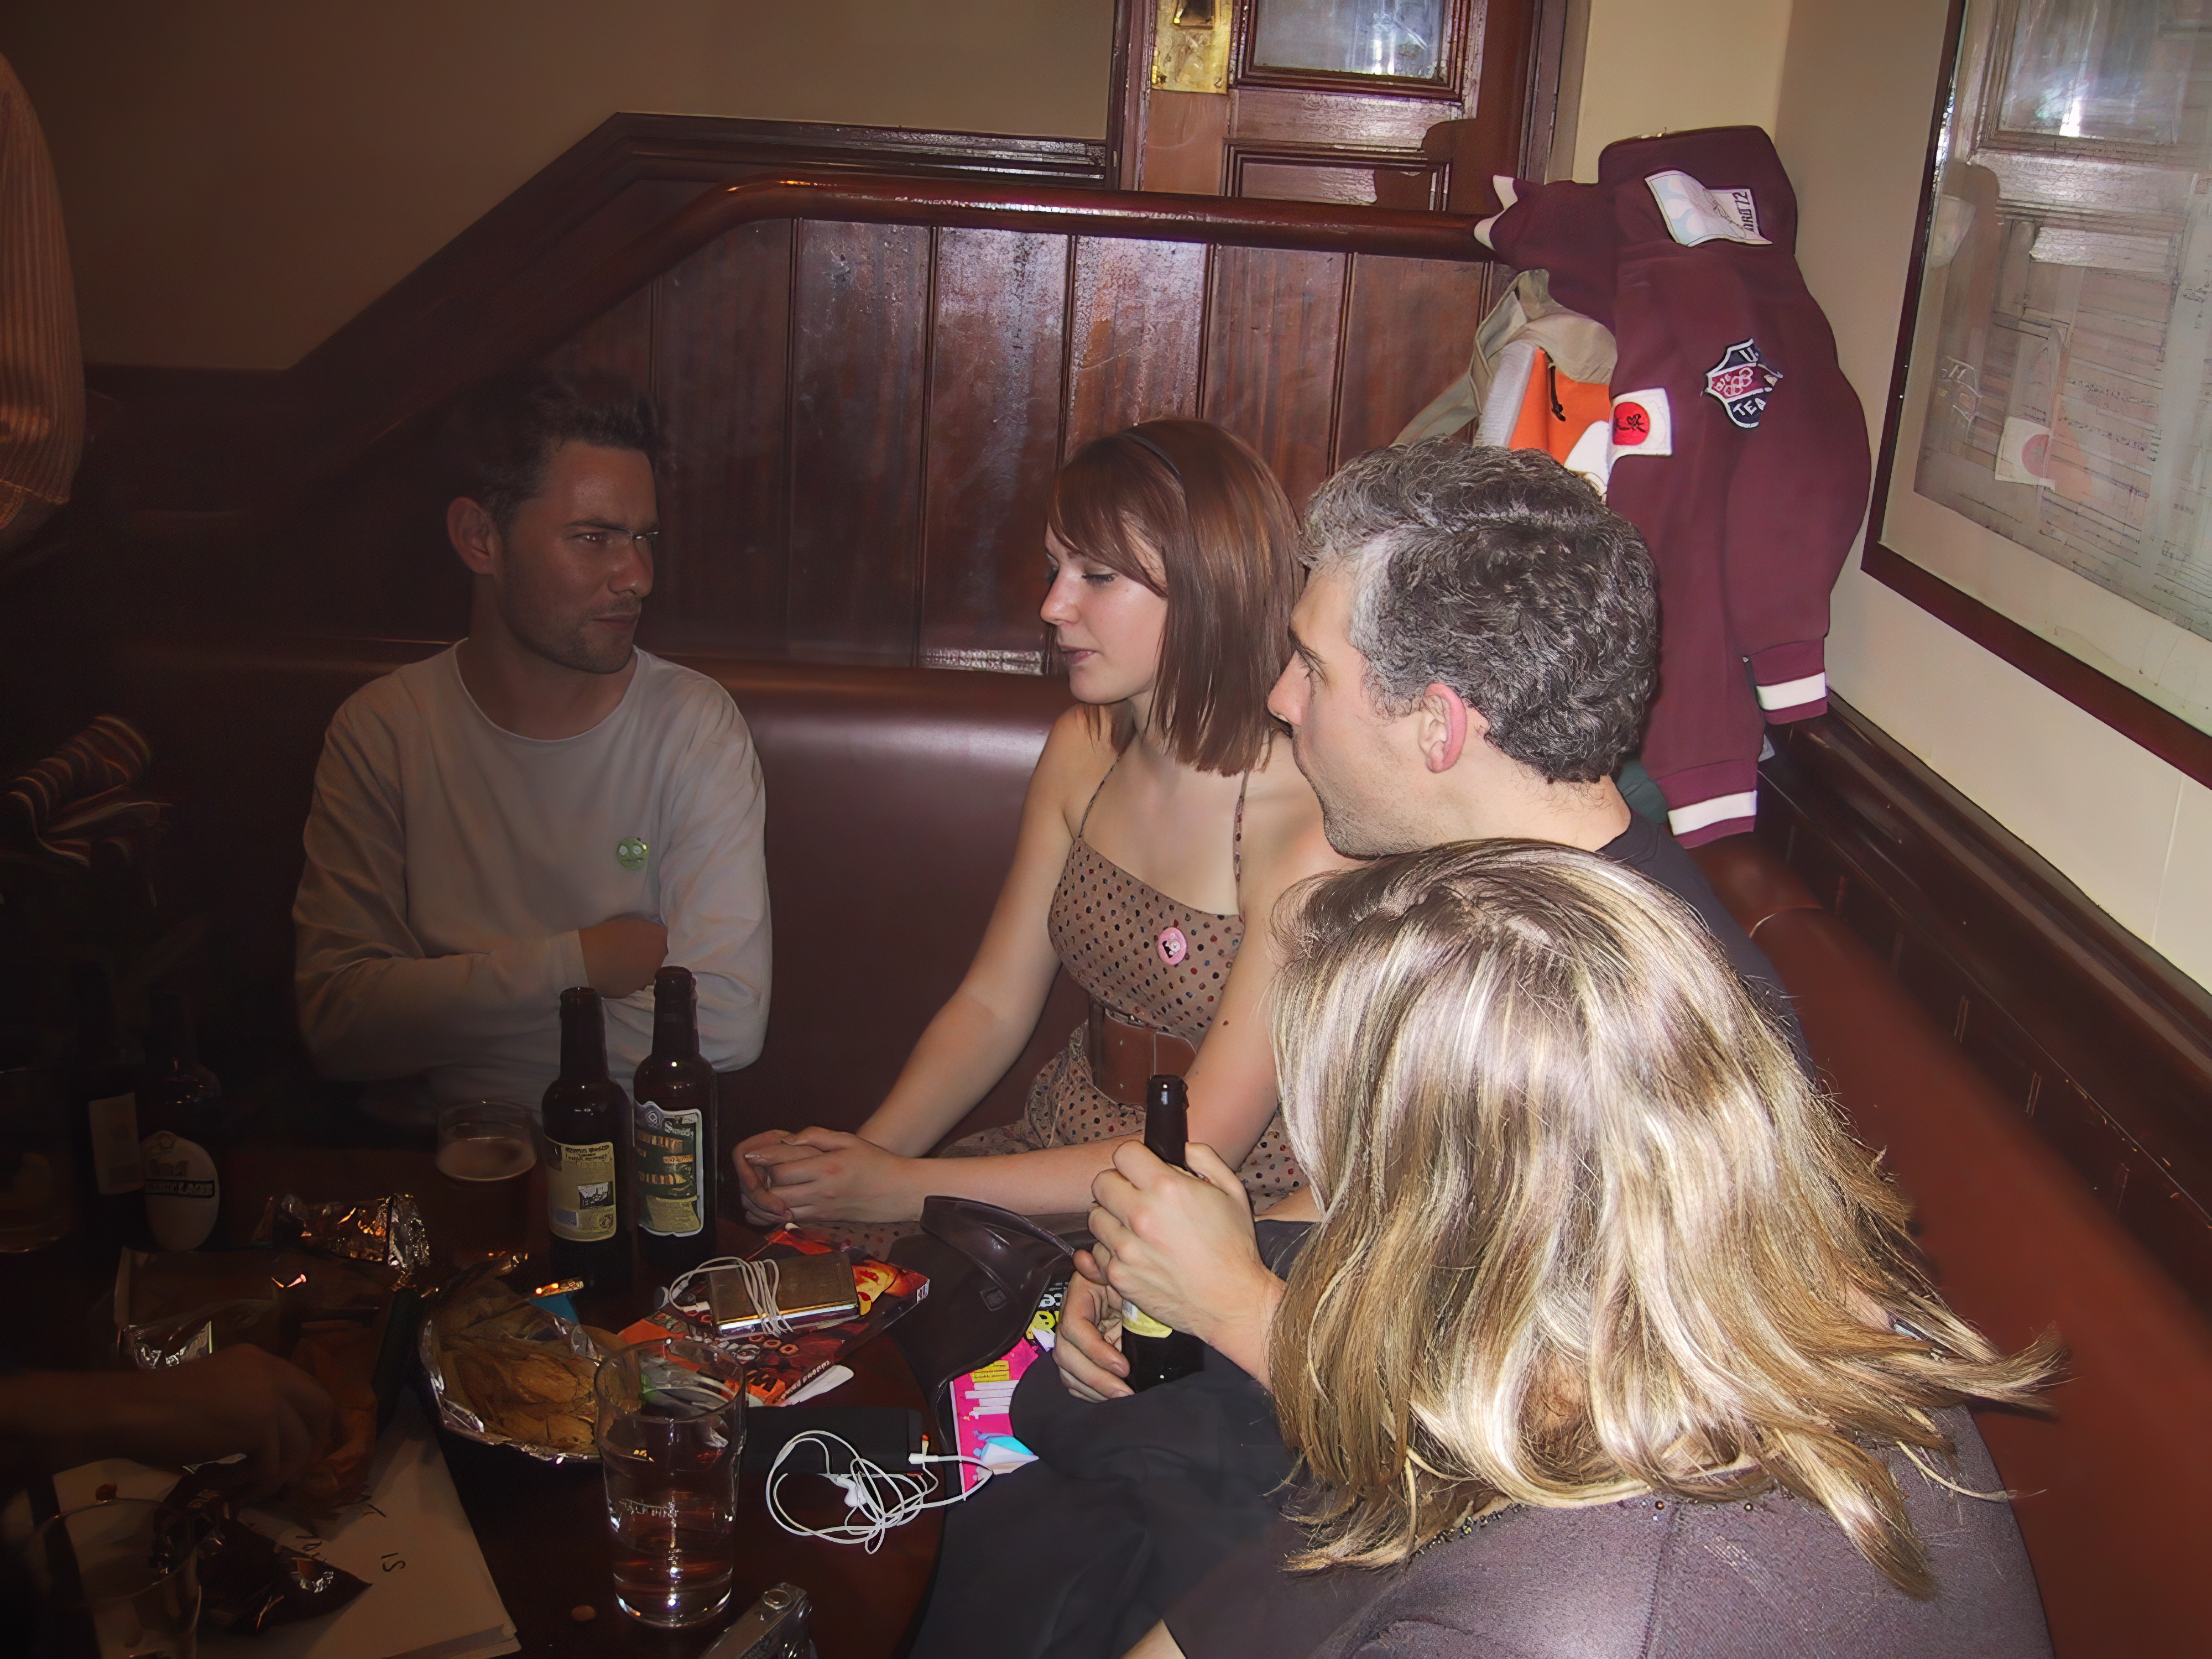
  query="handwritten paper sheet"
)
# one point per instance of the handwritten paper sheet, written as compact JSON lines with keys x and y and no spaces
{"x":429,"y":1596}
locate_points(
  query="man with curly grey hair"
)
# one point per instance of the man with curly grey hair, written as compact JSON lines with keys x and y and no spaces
{"x":1475,"y":652}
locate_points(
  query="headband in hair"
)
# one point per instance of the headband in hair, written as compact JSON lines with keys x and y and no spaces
{"x":1166,"y":460}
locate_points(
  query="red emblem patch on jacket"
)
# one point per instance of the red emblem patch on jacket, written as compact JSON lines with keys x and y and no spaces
{"x":1642,"y":424}
{"x":1742,"y":381}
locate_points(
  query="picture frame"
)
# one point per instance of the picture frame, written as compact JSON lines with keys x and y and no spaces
{"x":2044,"y":479}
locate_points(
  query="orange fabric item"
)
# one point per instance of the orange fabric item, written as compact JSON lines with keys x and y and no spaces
{"x":1556,"y":410}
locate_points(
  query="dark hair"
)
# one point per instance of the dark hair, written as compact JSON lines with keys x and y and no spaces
{"x":1227,"y":543}
{"x":507,"y":431}
{"x":1502,"y":574}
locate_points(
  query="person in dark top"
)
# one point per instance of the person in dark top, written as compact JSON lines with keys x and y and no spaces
{"x":1610,"y":1341}
{"x":1473,"y":653}
{"x":1473,"y":657}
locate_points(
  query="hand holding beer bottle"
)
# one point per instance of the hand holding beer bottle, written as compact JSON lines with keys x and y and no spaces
{"x":1157,"y":1354}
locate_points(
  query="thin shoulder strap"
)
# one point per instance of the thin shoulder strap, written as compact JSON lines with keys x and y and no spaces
{"x":1093,"y":801}
{"x":1236,"y":837}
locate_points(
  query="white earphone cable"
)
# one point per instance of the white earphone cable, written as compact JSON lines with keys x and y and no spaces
{"x":877,"y":1500}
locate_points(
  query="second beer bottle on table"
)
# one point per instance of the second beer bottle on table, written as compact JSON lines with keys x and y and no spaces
{"x":586,"y":1122}
{"x":1157,"y":1354}
{"x":672,"y":1135}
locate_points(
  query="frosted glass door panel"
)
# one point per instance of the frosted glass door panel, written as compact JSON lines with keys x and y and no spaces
{"x":1351,"y":37}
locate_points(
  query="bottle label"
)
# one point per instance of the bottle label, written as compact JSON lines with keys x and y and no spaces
{"x":182,"y":1192}
{"x":579,"y":1190}
{"x":666,"y":1159}
{"x":1138,"y":1322}
{"x":117,"y":1159}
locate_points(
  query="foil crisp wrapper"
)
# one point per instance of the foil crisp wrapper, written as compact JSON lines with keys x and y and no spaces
{"x":387,"y":1230}
{"x":475,"y":1306}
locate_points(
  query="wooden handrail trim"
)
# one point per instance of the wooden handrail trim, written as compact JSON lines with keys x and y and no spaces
{"x":1149,"y":215}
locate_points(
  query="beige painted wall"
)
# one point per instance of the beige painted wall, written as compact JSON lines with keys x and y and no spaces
{"x":1651,"y":65}
{"x":242,"y":176}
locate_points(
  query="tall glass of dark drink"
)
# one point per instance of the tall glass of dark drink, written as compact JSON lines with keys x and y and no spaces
{"x":486,"y":1150}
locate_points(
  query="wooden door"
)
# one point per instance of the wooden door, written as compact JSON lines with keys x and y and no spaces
{"x":1330,"y":101}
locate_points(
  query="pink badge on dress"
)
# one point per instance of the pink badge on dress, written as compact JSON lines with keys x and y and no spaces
{"x":1172,"y":945}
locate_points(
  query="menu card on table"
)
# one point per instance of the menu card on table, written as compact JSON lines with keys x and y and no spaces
{"x":429,"y":1596}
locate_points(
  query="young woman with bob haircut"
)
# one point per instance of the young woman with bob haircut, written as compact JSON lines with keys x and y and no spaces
{"x":1161,"y":823}
{"x":1611,"y":1340}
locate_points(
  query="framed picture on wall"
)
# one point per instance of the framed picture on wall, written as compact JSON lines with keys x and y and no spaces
{"x":2045,"y":480}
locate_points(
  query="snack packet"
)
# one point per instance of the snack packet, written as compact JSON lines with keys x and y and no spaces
{"x":332,"y":1317}
{"x":388,"y":1231}
{"x":507,"y":1371}
{"x":248,"y":1583}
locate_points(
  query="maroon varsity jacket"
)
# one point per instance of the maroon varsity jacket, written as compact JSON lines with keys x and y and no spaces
{"x":1738,"y":449}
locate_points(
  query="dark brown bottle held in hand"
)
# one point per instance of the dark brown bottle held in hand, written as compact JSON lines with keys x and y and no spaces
{"x":1157,"y":1354}
{"x":183,"y":1130}
{"x":673,"y":1161}
{"x":586,"y":1122}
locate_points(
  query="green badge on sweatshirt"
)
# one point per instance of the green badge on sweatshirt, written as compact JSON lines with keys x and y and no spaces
{"x":629,"y":853}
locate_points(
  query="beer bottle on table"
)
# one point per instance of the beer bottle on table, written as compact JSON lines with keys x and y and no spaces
{"x":1157,"y":1354}
{"x":102,"y":1086}
{"x":181,"y":1127}
{"x":586,"y":1122}
{"x":672,"y":1160}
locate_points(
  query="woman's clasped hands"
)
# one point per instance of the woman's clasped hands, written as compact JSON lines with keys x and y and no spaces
{"x":821,"y":1173}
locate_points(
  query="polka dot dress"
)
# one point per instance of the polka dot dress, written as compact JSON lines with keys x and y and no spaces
{"x":1150,"y":962}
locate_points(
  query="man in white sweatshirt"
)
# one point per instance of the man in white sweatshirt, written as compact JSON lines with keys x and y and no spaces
{"x":541,"y":805}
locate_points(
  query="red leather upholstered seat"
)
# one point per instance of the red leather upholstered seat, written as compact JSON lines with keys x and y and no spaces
{"x":894,"y":797}
{"x":2113,"y":1491}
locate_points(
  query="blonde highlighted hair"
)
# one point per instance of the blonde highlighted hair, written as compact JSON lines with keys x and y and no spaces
{"x":1588,"y":1230}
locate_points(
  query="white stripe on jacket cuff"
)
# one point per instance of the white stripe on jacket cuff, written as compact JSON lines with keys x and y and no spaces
{"x":1699,"y":814}
{"x":1793,"y":693}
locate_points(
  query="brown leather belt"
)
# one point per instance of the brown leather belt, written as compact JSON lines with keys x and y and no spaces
{"x":1123,"y":1055}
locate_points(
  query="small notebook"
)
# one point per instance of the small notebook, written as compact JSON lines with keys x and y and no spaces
{"x":429,"y":1596}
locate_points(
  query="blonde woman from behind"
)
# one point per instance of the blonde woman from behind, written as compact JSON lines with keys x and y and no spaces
{"x":1611,"y":1340}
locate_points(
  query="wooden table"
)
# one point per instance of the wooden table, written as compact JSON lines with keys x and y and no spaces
{"x":543,"y":1529}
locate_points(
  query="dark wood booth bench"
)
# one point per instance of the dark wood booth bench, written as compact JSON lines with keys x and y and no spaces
{"x":893,"y":798}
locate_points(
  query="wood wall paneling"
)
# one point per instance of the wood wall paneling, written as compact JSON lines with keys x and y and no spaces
{"x":1274,"y":328}
{"x":859,"y":325}
{"x":619,"y":341}
{"x":1355,"y":177}
{"x":1409,"y":329}
{"x":1183,"y":150}
{"x":1279,"y":115}
{"x":720,"y":363}
{"x":1136,"y":322}
{"x":996,"y":408}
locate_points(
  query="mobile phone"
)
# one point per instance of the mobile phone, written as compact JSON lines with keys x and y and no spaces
{"x":886,"y":1434}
